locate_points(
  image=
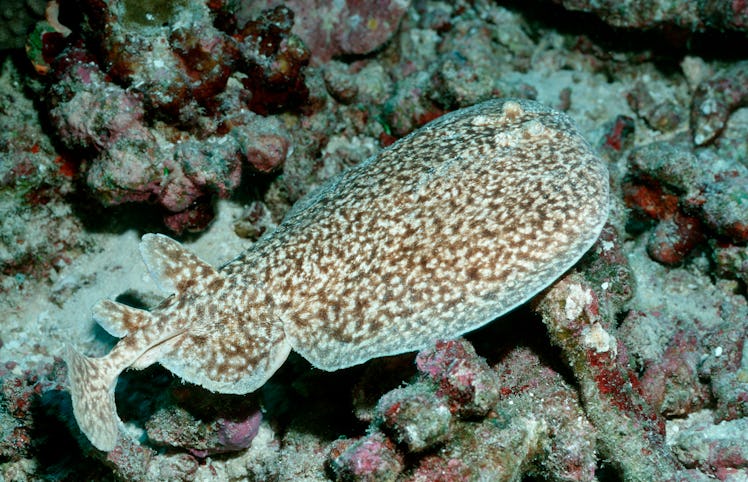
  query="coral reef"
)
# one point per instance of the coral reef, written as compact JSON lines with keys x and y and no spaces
{"x":165,"y":119}
{"x":18,"y":17}
{"x":692,"y":196}
{"x":663,"y":115}
{"x":371,"y":458}
{"x":175,"y":427}
{"x":627,"y":426}
{"x":21,"y":393}
{"x":349,"y":28}
{"x":34,"y":424}
{"x":39,"y":233}
{"x":221,"y":114}
{"x":701,"y":443}
{"x":461,"y":418}
{"x":715,"y":99}
{"x":697,"y":15}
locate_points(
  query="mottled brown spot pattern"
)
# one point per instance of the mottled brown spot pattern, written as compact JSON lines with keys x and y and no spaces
{"x":437,"y":235}
{"x":442,"y":232}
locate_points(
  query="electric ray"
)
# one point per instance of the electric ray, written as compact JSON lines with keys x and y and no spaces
{"x":440,"y":233}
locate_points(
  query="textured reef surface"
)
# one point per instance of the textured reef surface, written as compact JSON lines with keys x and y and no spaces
{"x":208,"y":120}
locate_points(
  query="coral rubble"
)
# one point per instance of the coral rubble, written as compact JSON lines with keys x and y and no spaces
{"x":161,"y":105}
{"x":120,"y":116}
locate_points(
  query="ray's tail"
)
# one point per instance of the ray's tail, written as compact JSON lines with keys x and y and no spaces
{"x":92,"y":382}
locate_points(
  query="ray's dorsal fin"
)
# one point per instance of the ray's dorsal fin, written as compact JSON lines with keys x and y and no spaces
{"x":119,"y":320}
{"x":174,"y":268}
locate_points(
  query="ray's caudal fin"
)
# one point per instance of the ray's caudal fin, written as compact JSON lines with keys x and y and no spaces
{"x":92,"y":382}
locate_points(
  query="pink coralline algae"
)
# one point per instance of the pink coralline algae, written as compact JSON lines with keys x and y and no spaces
{"x":177,"y":428}
{"x":675,"y":387}
{"x":39,"y":235}
{"x":701,"y":365}
{"x":691,"y":197}
{"x":618,"y":137}
{"x":438,"y":425}
{"x":731,"y":261}
{"x":437,"y":469}
{"x":159,"y":103}
{"x":628,"y":427}
{"x":274,"y":59}
{"x":567,"y":441}
{"x":204,"y":424}
{"x":461,"y":376}
{"x":349,"y":27}
{"x":189,"y":63}
{"x":34,"y":411}
{"x":370,"y":459}
{"x":415,"y":417}
{"x":717,"y":449}
{"x":139,"y":463}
